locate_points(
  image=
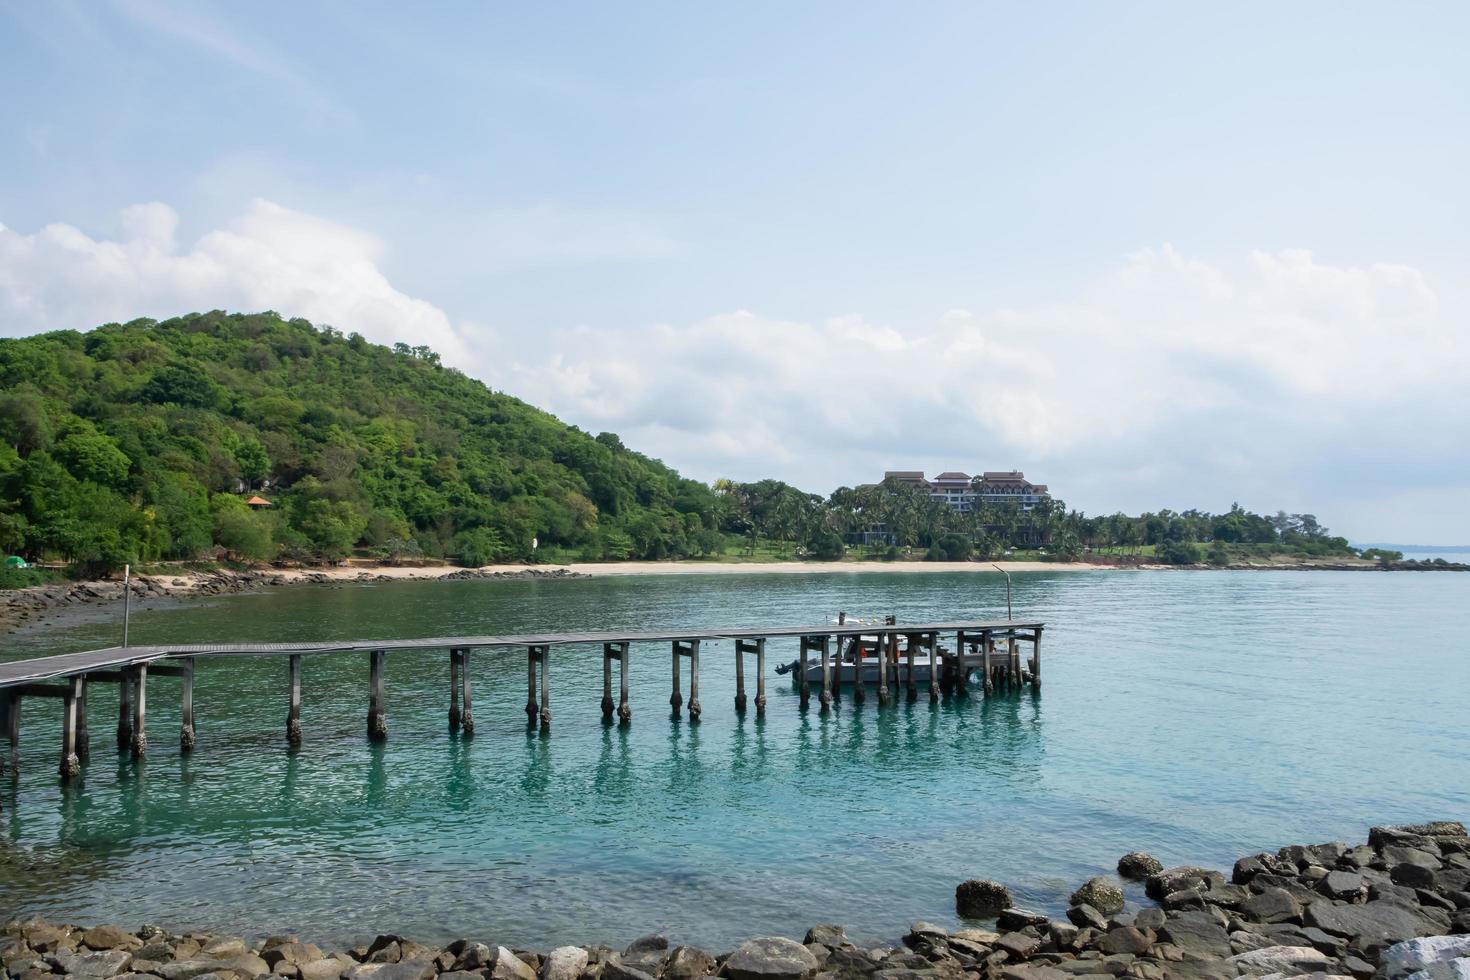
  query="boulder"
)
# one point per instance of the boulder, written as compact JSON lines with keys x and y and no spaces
{"x":1086,"y":917}
{"x":1125,"y":939}
{"x":615,"y":969}
{"x":188,"y":969}
{"x":1412,"y":875}
{"x":224,"y":948}
{"x":1382,"y":836}
{"x":691,"y":962}
{"x":1018,"y":945}
{"x":1444,"y":970}
{"x":564,"y":963}
{"x":1137,"y":865}
{"x":1287,"y":960}
{"x":1272,"y":905}
{"x":472,"y":956}
{"x":110,"y":937}
{"x":1200,"y":933}
{"x":1101,"y":894}
{"x":770,"y":958}
{"x":1348,"y":886}
{"x":292,"y":953}
{"x":1412,"y":955}
{"x":826,"y":934}
{"x":329,"y":968}
{"x":415,"y":969}
{"x":980,"y":898}
{"x":1161,"y":883}
{"x":1368,"y":925}
{"x":1013,"y":919}
{"x":505,"y":965}
{"x":103,"y":963}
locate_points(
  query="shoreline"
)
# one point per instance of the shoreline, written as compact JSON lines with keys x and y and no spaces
{"x":32,"y":603}
{"x":1395,"y":908}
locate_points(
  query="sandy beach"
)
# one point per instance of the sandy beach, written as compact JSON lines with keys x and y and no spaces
{"x":349,"y":573}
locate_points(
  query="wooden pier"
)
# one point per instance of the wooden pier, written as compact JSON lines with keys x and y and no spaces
{"x":975,"y":649}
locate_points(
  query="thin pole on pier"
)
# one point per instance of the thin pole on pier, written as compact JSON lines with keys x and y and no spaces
{"x":293,"y":710}
{"x":625,"y":707}
{"x":71,"y":766}
{"x":467,"y":712}
{"x":84,"y":737}
{"x":546,"y":688}
{"x":676,"y":699}
{"x":140,"y":711}
{"x":760,"y":677}
{"x":1009,"y":614}
{"x":377,"y":723}
{"x":885,"y":641}
{"x":127,"y":601}
{"x":187,"y":738}
{"x":453,"y":690}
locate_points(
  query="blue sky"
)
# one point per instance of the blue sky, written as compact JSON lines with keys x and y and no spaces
{"x":1154,"y":254}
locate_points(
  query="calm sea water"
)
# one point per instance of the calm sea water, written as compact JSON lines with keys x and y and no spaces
{"x":1196,"y":715}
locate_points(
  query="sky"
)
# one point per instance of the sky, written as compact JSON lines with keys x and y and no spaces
{"x":1154,"y":255}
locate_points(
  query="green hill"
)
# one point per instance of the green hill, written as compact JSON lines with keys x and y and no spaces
{"x":142,"y":441}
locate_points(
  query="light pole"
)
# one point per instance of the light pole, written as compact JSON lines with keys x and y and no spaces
{"x":1008,"y":588}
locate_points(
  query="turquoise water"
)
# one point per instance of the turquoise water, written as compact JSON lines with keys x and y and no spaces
{"x":1196,"y":715}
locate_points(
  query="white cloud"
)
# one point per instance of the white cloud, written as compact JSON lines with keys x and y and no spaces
{"x":1275,"y":379}
{"x":269,"y":257}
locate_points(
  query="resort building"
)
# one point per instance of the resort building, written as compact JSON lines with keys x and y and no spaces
{"x":962,"y":491}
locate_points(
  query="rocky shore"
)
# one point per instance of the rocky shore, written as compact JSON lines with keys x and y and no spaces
{"x":1395,"y":908}
{"x":19,"y":606}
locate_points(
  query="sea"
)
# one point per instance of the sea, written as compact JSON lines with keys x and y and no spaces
{"x":1196,"y":715}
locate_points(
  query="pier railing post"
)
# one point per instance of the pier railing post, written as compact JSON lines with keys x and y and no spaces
{"x":377,"y":724}
{"x":546,"y":688}
{"x":139,"y":742}
{"x":71,"y":766}
{"x":293,"y":709}
{"x":607,"y":698}
{"x":760,"y":677}
{"x":187,"y":738}
{"x":625,"y":707}
{"x":467,"y":712}
{"x":454,"y":689}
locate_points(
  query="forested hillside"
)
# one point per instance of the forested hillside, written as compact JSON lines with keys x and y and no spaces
{"x":142,"y":441}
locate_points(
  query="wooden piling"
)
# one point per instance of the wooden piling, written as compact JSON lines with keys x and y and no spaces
{"x":293,"y":709}
{"x":453,"y":690}
{"x":962,"y":675}
{"x":1036,"y":659}
{"x":676,"y":699}
{"x":933,"y":645}
{"x":625,"y":707}
{"x":124,"y":709}
{"x":910,"y":682}
{"x":760,"y":677}
{"x":859,"y":689}
{"x":607,"y":698}
{"x":377,"y":722}
{"x":695,"y":709}
{"x":826,"y":696}
{"x":885,"y":643}
{"x":836,"y":686}
{"x":9,"y":711}
{"x":546,"y":688}
{"x":139,"y":742}
{"x":187,"y":738}
{"x":84,"y":736}
{"x":532,"y":708}
{"x":467,"y":711}
{"x":740,"y":676}
{"x":804,"y":686}
{"x":71,"y":766}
